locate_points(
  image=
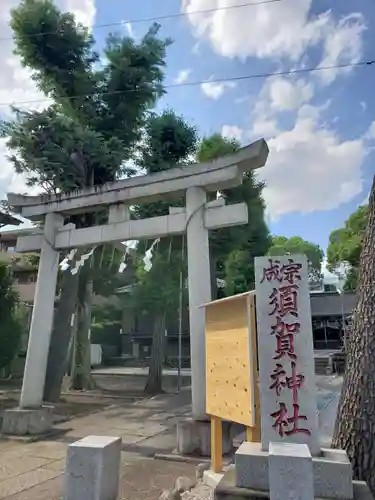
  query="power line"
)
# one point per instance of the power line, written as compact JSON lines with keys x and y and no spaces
{"x":200,"y":82}
{"x":158,"y":18}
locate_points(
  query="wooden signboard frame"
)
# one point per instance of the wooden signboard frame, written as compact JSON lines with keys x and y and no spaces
{"x":232,"y":391}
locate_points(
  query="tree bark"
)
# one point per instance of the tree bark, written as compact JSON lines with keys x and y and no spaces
{"x":61,"y":336}
{"x":155,"y":371}
{"x":355,"y":423}
{"x":81,"y":376}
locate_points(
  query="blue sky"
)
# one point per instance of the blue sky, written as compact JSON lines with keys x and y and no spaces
{"x":320,"y":126}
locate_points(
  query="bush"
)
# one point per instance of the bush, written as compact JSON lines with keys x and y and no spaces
{"x":10,"y":321}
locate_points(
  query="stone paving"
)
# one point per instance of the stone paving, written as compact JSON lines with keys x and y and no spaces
{"x":34,"y":471}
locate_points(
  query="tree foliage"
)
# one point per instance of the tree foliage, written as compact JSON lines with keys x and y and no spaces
{"x":95,"y":116}
{"x":233,"y":249}
{"x":169,"y":141}
{"x":345,"y":246}
{"x":10,"y":324}
{"x":281,"y":245}
{"x":97,"y":112}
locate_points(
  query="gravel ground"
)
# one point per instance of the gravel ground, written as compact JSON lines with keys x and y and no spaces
{"x":199,"y":492}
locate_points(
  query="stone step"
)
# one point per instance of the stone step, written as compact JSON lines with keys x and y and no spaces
{"x":321,"y":364}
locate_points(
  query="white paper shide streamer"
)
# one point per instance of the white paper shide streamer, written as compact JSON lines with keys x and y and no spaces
{"x":123,"y":264}
{"x":66,"y":263}
{"x":147,"y":259}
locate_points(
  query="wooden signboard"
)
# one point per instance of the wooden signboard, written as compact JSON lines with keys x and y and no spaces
{"x":231,"y":367}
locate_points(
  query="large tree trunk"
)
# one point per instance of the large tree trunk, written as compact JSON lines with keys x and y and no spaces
{"x":61,"y":336}
{"x":155,"y":371}
{"x":81,"y":376}
{"x":355,"y":423}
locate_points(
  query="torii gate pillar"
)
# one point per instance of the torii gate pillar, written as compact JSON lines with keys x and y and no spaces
{"x":199,"y":293}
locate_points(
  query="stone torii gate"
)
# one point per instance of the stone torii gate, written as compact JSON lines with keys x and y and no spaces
{"x":196,"y":218}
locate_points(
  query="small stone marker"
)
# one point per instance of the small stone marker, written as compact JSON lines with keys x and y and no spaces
{"x":290,"y":472}
{"x":285,"y":350}
{"x":92,"y":469}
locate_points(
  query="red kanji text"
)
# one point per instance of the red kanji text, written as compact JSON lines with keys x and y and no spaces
{"x":290,"y":271}
{"x":272,"y":273}
{"x":287,"y":425}
{"x":279,"y":379}
{"x":284,"y":301}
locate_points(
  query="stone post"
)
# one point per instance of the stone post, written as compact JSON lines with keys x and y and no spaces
{"x":286,"y":352}
{"x":92,"y":469}
{"x":42,"y":317}
{"x":290,"y":472}
{"x":199,"y":293}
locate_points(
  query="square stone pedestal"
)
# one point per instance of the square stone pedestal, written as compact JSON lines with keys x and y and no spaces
{"x":332,"y":471}
{"x":194,"y":437}
{"x":227,"y":490}
{"x":24,"y":422}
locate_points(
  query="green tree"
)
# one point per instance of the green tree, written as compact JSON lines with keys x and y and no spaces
{"x":281,"y":245}
{"x":233,"y":249}
{"x":345,"y":246}
{"x":10,"y":324}
{"x":89,"y":132}
{"x":157,"y":295}
{"x":168,"y":142}
{"x":355,"y":419}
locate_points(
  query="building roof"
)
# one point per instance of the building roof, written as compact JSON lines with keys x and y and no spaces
{"x":6,"y":219}
{"x":12,"y":234}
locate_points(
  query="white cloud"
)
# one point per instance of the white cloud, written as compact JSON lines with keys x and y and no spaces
{"x":279,"y":94}
{"x":9,"y":180}
{"x":83,"y":10}
{"x":277,"y":30}
{"x":266,"y":30}
{"x":215,"y":90}
{"x":365,"y":200}
{"x":182,"y":76}
{"x":370,"y":134}
{"x":232,"y":132}
{"x":342,"y":45}
{"x":287,"y":95}
{"x":310,"y":168}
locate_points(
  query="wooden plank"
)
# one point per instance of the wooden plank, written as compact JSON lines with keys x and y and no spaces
{"x":249,"y":434}
{"x":216,"y":444}
{"x":231,"y":298}
{"x":228,"y":367}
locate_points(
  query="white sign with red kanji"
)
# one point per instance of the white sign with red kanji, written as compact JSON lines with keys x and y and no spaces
{"x":286,"y":353}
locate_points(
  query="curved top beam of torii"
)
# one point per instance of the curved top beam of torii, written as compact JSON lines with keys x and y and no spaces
{"x":224,"y":172}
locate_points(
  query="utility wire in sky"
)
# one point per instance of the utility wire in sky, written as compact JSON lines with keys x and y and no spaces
{"x":160,"y":18}
{"x":212,"y":81}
